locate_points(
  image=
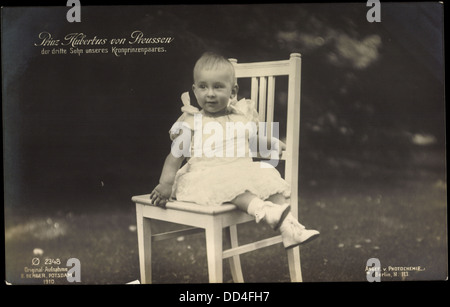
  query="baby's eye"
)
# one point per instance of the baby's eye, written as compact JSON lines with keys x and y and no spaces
{"x":218,"y":86}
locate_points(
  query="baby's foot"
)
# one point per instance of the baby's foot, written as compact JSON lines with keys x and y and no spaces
{"x":272,"y":214}
{"x":293,"y":233}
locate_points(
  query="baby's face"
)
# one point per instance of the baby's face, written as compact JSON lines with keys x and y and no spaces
{"x":213,"y":89}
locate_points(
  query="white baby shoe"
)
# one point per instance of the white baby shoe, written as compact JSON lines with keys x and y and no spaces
{"x":272,"y":214}
{"x":293,"y":233}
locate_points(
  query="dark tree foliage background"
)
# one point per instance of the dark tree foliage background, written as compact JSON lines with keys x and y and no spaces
{"x":82,"y":134}
{"x":94,"y":126}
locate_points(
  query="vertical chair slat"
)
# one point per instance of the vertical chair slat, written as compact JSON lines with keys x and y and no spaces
{"x":262,"y":98}
{"x":270,"y":102}
{"x":254,"y":92}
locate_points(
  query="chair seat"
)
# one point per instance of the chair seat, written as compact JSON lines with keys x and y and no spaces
{"x":188,"y":206}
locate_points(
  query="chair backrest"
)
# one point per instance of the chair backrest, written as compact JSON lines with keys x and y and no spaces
{"x":263,"y":75}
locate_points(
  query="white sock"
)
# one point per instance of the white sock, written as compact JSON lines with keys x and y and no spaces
{"x":254,"y":205}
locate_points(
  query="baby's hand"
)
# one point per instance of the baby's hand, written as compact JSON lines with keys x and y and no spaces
{"x":281,"y":148}
{"x":161,"y":194}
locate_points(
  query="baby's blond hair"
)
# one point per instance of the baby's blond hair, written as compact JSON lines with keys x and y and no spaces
{"x":211,"y":60}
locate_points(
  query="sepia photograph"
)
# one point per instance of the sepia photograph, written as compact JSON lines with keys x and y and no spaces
{"x":224,"y":143}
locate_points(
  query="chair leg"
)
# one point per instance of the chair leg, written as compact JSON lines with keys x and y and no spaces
{"x":144,"y":244}
{"x":235,"y":261}
{"x":295,"y":270}
{"x":214,"y":250}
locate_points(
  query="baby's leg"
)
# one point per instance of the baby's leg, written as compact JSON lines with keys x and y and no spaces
{"x":243,"y":200}
{"x":292,"y":232}
{"x":278,"y":199}
{"x":275,"y":211}
{"x":272,"y":214}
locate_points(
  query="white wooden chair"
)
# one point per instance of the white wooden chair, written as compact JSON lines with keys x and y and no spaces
{"x":213,"y":220}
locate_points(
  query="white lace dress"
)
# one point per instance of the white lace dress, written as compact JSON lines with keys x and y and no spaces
{"x":214,"y":176}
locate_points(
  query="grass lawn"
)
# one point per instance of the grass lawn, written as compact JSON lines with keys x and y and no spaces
{"x":401,"y":220}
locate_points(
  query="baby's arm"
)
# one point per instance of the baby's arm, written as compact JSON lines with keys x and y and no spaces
{"x":161,"y":193}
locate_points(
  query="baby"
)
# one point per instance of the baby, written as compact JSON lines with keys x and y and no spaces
{"x":214,"y":177}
